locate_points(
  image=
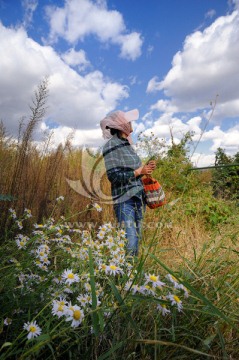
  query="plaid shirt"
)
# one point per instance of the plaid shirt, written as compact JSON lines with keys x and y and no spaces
{"x":120,"y":161}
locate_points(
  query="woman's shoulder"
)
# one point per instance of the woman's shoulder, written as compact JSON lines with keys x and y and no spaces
{"x":113,"y":142}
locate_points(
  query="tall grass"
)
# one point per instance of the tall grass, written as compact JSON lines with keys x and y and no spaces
{"x":33,"y":177}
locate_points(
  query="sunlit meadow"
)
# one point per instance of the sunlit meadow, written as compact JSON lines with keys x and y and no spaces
{"x":68,"y":288}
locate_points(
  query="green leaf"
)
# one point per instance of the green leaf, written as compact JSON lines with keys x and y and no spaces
{"x":122,"y":304}
{"x":6,"y":344}
{"x":108,"y":354}
{"x":42,"y":337}
{"x":94,"y":314}
{"x":209,"y":340}
{"x":168,"y":343}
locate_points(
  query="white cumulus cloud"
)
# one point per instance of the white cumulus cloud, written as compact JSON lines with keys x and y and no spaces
{"x":76,"y":58}
{"x":206,"y":66}
{"x":74,"y":100}
{"x":80,"y":18}
{"x":203,"y":74}
{"x":29,"y":7}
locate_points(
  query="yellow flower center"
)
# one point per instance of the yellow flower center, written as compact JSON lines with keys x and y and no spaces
{"x":121,"y":245}
{"x":76,"y":314}
{"x":22,"y":243}
{"x":176,"y":298}
{"x":153,"y":278}
{"x":60,"y":307}
{"x":103,"y":266}
{"x":113,"y":267}
{"x":42,"y":253}
{"x":70,"y":276}
{"x":32,"y":328}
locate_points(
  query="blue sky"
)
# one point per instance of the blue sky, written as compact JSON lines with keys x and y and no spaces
{"x":170,"y":59}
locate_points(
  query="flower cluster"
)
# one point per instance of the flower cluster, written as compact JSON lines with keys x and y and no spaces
{"x":79,"y":267}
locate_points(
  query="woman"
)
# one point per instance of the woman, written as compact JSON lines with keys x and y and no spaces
{"x":124,"y":171}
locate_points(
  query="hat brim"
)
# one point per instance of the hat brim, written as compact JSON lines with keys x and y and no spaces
{"x":131,"y":115}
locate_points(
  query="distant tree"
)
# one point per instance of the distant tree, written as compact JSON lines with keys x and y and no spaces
{"x":226,"y":179}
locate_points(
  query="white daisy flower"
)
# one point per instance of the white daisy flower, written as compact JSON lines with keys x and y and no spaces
{"x":21,"y":243}
{"x":147,"y":290}
{"x":33,"y":329}
{"x":13,"y":213}
{"x":87,"y":286}
{"x":101,"y":234}
{"x":38,"y":226}
{"x":103,"y":228}
{"x":163,"y":309}
{"x":59,"y":307}
{"x":119,"y":259}
{"x":175,"y":300}
{"x":67,"y":290}
{"x":7,"y":321}
{"x":128,"y":284}
{"x":113,"y":269}
{"x":154,"y":280}
{"x":41,"y":266}
{"x":122,"y":233}
{"x":182,"y":287}
{"x":135,"y":288}
{"x":110,"y":241}
{"x":74,"y":314}
{"x":102,"y":266}
{"x":109,"y":226}
{"x":45,"y":260}
{"x":27,"y":213}
{"x":121,"y":244}
{"x":60,"y":198}
{"x":83,"y":299}
{"x":19,"y":224}
{"x":173,"y":280}
{"x":70,"y":277}
{"x":97,"y":207}
{"x":121,"y":252}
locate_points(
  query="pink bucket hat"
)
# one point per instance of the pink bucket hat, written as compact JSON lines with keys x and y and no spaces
{"x":118,"y":120}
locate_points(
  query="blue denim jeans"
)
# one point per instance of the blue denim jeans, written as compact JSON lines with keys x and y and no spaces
{"x":130,"y":215}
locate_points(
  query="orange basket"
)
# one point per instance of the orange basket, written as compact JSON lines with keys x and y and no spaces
{"x":154,"y":194}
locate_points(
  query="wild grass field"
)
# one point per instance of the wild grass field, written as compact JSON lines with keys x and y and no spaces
{"x":68,"y":289}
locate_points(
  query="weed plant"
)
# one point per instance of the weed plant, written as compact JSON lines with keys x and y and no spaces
{"x":70,"y":293}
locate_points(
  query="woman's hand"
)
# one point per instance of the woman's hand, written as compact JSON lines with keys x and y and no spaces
{"x":146,"y":169}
